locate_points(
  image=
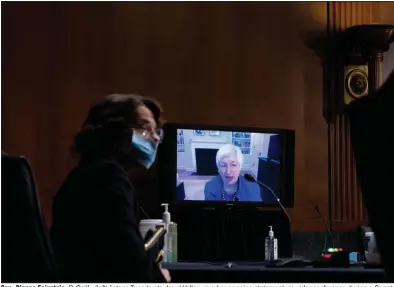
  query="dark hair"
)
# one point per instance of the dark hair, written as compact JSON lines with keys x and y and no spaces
{"x":108,"y":124}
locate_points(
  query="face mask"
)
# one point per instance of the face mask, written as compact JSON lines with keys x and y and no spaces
{"x":145,"y":150}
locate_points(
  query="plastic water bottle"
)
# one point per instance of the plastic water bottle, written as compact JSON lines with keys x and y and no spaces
{"x":172,"y":240}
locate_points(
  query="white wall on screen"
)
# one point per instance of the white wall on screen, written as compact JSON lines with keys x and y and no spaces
{"x":186,"y":160}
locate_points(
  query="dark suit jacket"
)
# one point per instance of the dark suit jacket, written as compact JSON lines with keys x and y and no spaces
{"x":371,"y":121}
{"x":248,"y":191}
{"x":95,"y":229}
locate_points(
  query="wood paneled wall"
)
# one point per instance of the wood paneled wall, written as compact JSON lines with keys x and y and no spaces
{"x":211,"y":63}
{"x":238,"y":63}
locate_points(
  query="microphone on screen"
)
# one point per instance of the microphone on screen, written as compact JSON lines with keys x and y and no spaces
{"x":251,"y":178}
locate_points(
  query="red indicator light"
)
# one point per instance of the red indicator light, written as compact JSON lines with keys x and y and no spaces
{"x":327,"y":255}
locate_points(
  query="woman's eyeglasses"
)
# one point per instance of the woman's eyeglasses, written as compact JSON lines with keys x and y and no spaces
{"x":148,"y":132}
{"x":159,"y":132}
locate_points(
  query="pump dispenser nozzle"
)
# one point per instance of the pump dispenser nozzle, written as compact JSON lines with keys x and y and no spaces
{"x":270,"y":232}
{"x":165,"y":206}
{"x":166,"y":214}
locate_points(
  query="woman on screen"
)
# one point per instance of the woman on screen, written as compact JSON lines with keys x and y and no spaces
{"x":228,"y":185}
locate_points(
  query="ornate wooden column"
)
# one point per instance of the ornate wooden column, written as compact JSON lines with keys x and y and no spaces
{"x":346,"y":205}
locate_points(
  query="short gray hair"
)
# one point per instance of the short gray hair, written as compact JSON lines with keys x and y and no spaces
{"x":229,"y":150}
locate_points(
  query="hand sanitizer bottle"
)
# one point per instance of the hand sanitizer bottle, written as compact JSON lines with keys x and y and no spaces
{"x":271,"y":246}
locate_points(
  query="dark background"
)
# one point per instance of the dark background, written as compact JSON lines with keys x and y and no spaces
{"x":243,"y":64}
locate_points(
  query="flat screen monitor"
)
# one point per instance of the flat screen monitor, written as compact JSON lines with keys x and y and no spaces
{"x":201,"y":164}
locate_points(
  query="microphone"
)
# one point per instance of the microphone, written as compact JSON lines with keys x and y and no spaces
{"x":326,"y":225}
{"x":251,"y":178}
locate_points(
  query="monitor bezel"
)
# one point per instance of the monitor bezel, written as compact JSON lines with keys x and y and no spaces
{"x":167,"y":166}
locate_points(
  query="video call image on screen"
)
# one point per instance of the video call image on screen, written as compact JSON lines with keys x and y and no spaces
{"x":211,"y":165}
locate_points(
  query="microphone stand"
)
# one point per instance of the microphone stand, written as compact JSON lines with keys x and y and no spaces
{"x":251,"y":178}
{"x":327,"y":228}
